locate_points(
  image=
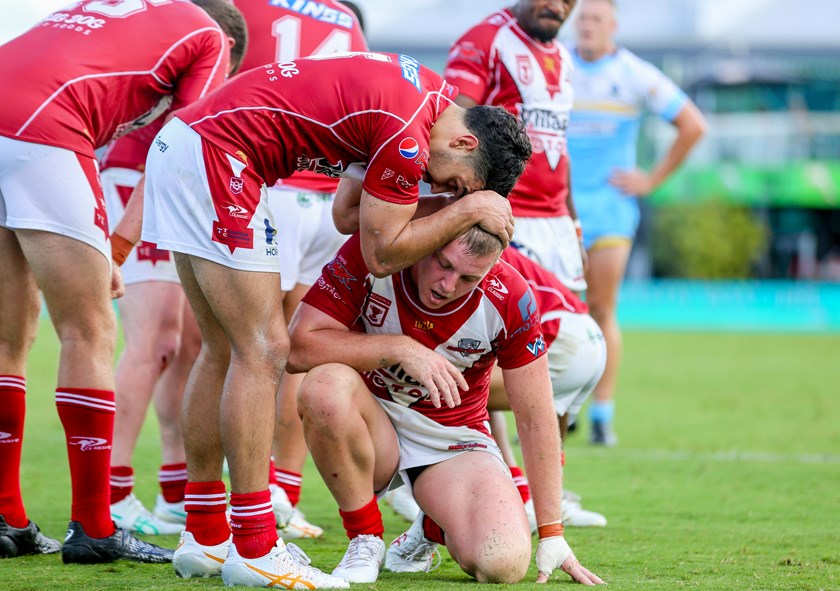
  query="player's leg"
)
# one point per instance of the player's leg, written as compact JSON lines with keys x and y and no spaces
{"x":356,"y":451}
{"x":479,"y":516}
{"x":607,"y":264}
{"x":168,"y":403}
{"x":151,"y":318}
{"x":19,"y":310}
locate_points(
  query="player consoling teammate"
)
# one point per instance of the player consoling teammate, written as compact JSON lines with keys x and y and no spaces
{"x":77,"y":87}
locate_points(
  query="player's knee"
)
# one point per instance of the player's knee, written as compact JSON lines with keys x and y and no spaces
{"x":95,"y":332}
{"x":324,"y":397}
{"x":504,"y":564}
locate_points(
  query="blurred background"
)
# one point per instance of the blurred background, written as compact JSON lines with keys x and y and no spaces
{"x":746,"y":235}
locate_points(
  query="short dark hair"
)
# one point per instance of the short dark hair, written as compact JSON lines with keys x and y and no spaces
{"x":478,"y":242}
{"x":232,"y":23}
{"x":503,"y":147}
{"x":356,"y":11}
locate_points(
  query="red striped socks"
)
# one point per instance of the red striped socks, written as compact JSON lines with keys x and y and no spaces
{"x":13,"y":403}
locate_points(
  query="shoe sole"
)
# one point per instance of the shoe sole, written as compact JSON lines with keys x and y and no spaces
{"x":188,"y":566}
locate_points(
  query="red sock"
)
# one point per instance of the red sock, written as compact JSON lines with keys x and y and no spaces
{"x":253,"y":524}
{"x":173,"y":481}
{"x":364,"y":521}
{"x":521,"y":483}
{"x":88,"y":419}
{"x":291,"y":483}
{"x":122,"y":482}
{"x":272,"y":476}
{"x":13,"y":403}
{"x":205,"y":504}
{"x":432,"y":531}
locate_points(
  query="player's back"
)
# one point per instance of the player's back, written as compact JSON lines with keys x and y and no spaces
{"x":549,"y":291}
{"x":89,"y":73}
{"x":281,"y":32}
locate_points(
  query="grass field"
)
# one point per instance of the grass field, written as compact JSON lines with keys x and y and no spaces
{"x":727,"y":476}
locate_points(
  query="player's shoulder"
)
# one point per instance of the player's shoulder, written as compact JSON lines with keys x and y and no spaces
{"x":632,"y":63}
{"x":505,"y":287}
{"x":486,"y":31}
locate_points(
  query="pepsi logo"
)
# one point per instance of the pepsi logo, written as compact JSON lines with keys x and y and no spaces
{"x":409,"y":148}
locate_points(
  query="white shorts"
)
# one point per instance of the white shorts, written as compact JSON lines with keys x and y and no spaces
{"x":206,"y":203}
{"x":423,"y":442}
{"x":52,"y":189}
{"x":146,"y":262}
{"x":306,"y":234}
{"x":554,"y":244}
{"x":576,"y":360}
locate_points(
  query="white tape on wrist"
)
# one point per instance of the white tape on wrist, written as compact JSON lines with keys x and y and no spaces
{"x":551,"y":554}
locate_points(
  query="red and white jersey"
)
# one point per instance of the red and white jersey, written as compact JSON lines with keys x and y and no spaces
{"x":498,"y":320}
{"x":281,"y":31}
{"x":550,"y":293}
{"x":130,"y":151}
{"x":497,"y":63}
{"x":96,"y":70}
{"x":326,"y":113}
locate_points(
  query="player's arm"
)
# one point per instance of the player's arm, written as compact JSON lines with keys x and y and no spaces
{"x":345,"y":209}
{"x":691,"y":126}
{"x":463,"y":100}
{"x":570,"y":204}
{"x":530,"y":395}
{"x":127,"y":232}
{"x":318,"y":338}
{"x":392,"y":241}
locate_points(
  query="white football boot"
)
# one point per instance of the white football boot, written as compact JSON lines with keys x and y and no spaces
{"x":284,"y":566}
{"x":170,"y":512}
{"x":574,"y":515}
{"x":299,"y":528}
{"x":282,"y":506}
{"x":362,"y":561}
{"x":130,"y":514}
{"x":412,"y":552}
{"x":402,"y":502}
{"x":196,"y":560}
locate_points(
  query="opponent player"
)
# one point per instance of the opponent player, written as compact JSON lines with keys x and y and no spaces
{"x":614,"y":88}
{"x":512,"y":59}
{"x":77,"y":87}
{"x":306,"y":237}
{"x":397,"y":389}
{"x":206,"y":200}
{"x":576,"y":357}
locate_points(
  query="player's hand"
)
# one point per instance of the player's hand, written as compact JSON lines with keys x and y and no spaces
{"x":440,"y":378}
{"x":494,"y":213}
{"x":634,"y":182}
{"x":553,"y":553}
{"x":117,"y":285}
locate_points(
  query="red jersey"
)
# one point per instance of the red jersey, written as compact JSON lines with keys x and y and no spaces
{"x":130,"y":151}
{"x":498,"y":320}
{"x":96,"y":70}
{"x":551,"y":294}
{"x":284,"y":30}
{"x":323,"y":114}
{"x":497,"y":63}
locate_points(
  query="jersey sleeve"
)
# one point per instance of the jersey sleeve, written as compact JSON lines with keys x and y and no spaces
{"x":523,"y":340}
{"x":204,"y":64}
{"x":395,"y":170}
{"x":342,"y":288}
{"x":657,"y":92}
{"x":469,"y":65}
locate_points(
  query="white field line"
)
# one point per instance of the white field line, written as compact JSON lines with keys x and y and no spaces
{"x":721,"y":456}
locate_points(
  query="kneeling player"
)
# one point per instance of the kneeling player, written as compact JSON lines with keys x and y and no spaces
{"x":408,"y":401}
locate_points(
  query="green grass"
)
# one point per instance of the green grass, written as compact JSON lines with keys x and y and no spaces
{"x":727,"y":476}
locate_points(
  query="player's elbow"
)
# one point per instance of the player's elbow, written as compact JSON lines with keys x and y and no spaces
{"x":300,"y":358}
{"x":380,"y":268}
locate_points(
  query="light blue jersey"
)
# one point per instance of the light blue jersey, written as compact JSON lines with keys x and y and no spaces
{"x":611,"y":95}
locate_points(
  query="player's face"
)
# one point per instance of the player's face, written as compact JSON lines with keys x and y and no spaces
{"x":542,"y":19}
{"x":595,"y":26}
{"x":449,"y":273}
{"x":449,"y":172}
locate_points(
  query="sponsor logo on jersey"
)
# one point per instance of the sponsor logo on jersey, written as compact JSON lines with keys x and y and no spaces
{"x":537,"y":347}
{"x":467,"y":446}
{"x":404,"y":183}
{"x":77,"y":22}
{"x":376,"y":309}
{"x":237,"y":211}
{"x":233,"y":238}
{"x":411,"y":70}
{"x":546,"y":129}
{"x":8,"y":438}
{"x":467,"y":347}
{"x":424,"y":325}
{"x":458,"y":73}
{"x":148,"y":251}
{"x":316,"y":10}
{"x":340,"y":272}
{"x":163,"y":147}
{"x":324,"y":286}
{"x":495,"y":287}
{"x":468,"y":52}
{"x":401,"y":387}
{"x":387,"y":174}
{"x":236,"y":185}
{"x":270,"y":232}
{"x":321,"y":165}
{"x":527,"y":305}
{"x":409,"y":148}
{"x":288,"y":69}
{"x":89,"y":443}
